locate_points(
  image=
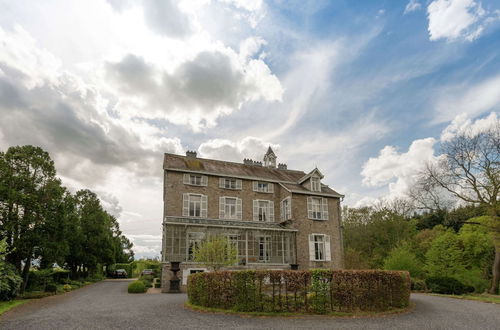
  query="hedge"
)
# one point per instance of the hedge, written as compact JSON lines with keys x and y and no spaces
{"x":136,"y":287}
{"x":310,"y":291}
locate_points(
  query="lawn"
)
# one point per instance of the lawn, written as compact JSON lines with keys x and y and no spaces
{"x":495,"y":299}
{"x":6,"y":305}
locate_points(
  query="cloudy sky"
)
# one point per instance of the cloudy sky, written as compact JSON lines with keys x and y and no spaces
{"x":365,"y":90}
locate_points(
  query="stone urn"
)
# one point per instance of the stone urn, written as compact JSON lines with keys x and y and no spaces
{"x":175,"y":281}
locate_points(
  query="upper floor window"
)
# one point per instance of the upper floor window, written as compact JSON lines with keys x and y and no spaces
{"x":263,"y":210}
{"x":315,"y":184}
{"x":195,"y":179}
{"x":194,"y":205}
{"x":265,"y":187}
{"x":319,"y":247}
{"x":317,"y":208}
{"x":229,"y":183}
{"x":286,"y":209}
{"x":230,"y":208}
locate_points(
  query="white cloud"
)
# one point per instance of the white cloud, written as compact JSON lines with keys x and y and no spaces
{"x":413,"y":5}
{"x":471,"y":100}
{"x":236,"y":151}
{"x":399,"y":171}
{"x":457,"y":19}
{"x":249,"y":5}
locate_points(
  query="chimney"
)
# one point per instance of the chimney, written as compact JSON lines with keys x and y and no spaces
{"x":247,"y":161}
{"x":281,"y":166}
{"x":256,"y":163}
{"x":191,"y":154}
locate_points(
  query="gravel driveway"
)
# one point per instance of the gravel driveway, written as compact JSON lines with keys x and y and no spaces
{"x":107,"y":305}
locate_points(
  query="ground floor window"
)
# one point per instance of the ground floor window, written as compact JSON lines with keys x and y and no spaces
{"x":194,"y":240}
{"x":264,"y":248}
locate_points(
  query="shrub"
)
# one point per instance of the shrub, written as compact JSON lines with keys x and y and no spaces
{"x":316,"y":291}
{"x":136,"y":287}
{"x":157,"y":285}
{"x":67,"y":287}
{"x":147,"y":280}
{"x":10,"y":281}
{"x":51,"y":288}
{"x":35,"y":295}
{"x":447,"y":285}
{"x":403,"y":259}
{"x":418,"y":285}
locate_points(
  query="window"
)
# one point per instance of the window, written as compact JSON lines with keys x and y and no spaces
{"x":319,"y":247}
{"x":286,"y":209}
{"x":233,"y":240}
{"x":265,"y":187}
{"x":194,"y":205}
{"x":315,"y":184}
{"x":193,"y":240}
{"x":189,"y":271}
{"x":263,"y":210}
{"x":195,"y":179}
{"x":264,"y":248}
{"x":229,"y":183}
{"x":317,"y":208}
{"x":230,"y":208}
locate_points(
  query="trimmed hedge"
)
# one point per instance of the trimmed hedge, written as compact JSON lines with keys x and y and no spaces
{"x":136,"y":287}
{"x":314,"y":291}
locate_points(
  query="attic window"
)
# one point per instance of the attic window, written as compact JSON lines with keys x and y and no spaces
{"x":315,"y":184}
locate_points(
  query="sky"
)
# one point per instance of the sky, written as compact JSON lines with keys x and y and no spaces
{"x":364,"y":90}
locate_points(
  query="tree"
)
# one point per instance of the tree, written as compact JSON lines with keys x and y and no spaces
{"x":216,"y":252}
{"x":469,"y":170}
{"x":402,"y":258}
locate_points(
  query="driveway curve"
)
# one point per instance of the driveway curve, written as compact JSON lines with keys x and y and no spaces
{"x":107,"y":305}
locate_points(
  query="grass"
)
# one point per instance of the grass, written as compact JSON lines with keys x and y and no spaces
{"x":489,"y":298}
{"x":6,"y":305}
{"x":290,"y":314}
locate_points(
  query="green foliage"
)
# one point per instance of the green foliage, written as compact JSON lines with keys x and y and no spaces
{"x":402,"y":258}
{"x":51,"y":288}
{"x":141,"y":264}
{"x":447,"y":285}
{"x":444,"y":258}
{"x":147,"y":280}
{"x":136,"y":287}
{"x":129,"y":268}
{"x":316,"y":291}
{"x":10,"y":281}
{"x":43,"y":221}
{"x":216,"y":252}
{"x":374,"y":233}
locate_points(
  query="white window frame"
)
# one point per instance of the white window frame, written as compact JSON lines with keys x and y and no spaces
{"x":186,"y":205}
{"x":315,"y":245}
{"x":267,"y":246}
{"x":317,"y":211}
{"x":186,"y":272}
{"x":268,"y":210}
{"x":195,"y":238}
{"x":315,"y":184}
{"x":190,"y":179}
{"x":227,"y":183}
{"x":223,"y":214}
{"x":286,"y":209}
{"x":263,"y":187}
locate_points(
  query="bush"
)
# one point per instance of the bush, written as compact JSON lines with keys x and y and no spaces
{"x":315,"y":291}
{"x":403,"y":259}
{"x":51,"y":288}
{"x":10,"y":281}
{"x":67,"y":287}
{"x":136,"y":287}
{"x":418,"y":285}
{"x":38,"y":279}
{"x":157,"y":285}
{"x":35,"y":295}
{"x":447,"y":285}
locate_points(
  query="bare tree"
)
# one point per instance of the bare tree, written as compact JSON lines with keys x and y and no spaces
{"x":469,"y":170}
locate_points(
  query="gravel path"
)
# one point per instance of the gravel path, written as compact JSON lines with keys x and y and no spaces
{"x":107,"y":305}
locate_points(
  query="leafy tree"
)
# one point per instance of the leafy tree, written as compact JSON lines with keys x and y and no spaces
{"x":216,"y":252}
{"x":445,"y":256}
{"x":469,"y":170}
{"x":402,"y":258}
{"x":10,"y":281}
{"x":375,"y":233}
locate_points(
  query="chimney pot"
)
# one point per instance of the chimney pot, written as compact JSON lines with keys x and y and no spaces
{"x":191,"y":154}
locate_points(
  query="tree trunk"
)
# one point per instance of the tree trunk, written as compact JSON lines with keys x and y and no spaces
{"x":495,"y":271}
{"x":26,"y":273}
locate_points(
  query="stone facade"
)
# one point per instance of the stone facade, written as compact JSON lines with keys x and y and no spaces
{"x":289,"y":241}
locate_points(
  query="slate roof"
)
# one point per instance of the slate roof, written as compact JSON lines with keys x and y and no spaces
{"x":289,"y":178}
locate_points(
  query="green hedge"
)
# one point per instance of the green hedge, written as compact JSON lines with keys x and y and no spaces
{"x":136,"y":287}
{"x":129,"y":268}
{"x":447,"y":285}
{"x":314,"y":291}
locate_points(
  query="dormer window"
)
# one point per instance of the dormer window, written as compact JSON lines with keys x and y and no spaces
{"x":315,"y":184}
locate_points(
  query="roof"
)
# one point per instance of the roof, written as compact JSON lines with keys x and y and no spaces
{"x":219,"y":167}
{"x":288,"y":178}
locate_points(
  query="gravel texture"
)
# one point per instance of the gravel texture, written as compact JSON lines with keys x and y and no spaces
{"x":107,"y":305}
